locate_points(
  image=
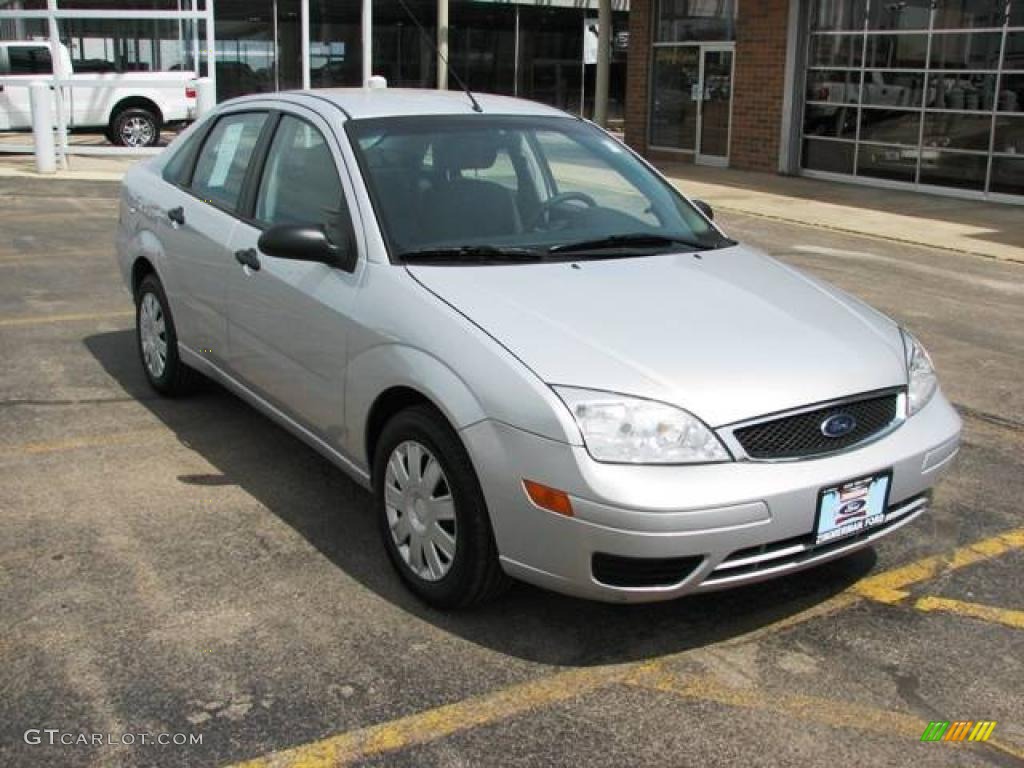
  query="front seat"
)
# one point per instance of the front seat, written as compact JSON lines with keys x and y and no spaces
{"x":461,"y":208}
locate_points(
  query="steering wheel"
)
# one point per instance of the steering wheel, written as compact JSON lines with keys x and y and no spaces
{"x":552,"y":202}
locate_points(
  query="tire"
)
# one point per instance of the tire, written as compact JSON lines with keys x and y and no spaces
{"x":135,"y":127}
{"x":155,"y":333}
{"x":471,"y":575}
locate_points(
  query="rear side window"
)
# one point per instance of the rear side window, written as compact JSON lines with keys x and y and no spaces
{"x":224,"y":158}
{"x":300,"y":182}
{"x":29,"y":60}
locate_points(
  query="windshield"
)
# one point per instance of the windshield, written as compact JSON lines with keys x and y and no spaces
{"x":469,"y":187}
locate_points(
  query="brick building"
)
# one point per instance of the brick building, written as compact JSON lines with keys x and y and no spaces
{"x":921,"y":94}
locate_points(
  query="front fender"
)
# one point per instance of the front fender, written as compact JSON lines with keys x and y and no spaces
{"x":386,"y":366}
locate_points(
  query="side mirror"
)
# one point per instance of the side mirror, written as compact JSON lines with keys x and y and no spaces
{"x":306,"y":242}
{"x":705,"y":209}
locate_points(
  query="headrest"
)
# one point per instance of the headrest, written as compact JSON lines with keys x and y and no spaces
{"x":466,"y":152}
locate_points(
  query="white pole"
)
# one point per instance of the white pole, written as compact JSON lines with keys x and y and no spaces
{"x":58,"y":84}
{"x":442,"y":45}
{"x":206,"y":96}
{"x":42,"y":127}
{"x":194,"y":26}
{"x":304,"y":24}
{"x":367,"y":40}
{"x":604,"y":53}
{"x":211,"y":47}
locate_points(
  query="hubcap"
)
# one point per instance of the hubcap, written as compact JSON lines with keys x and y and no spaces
{"x":153,"y":335}
{"x":137,"y":132}
{"x":420,"y":510}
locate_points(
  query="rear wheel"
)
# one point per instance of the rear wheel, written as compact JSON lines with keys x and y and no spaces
{"x":432,"y":513}
{"x":135,"y":127}
{"x":158,"y":341}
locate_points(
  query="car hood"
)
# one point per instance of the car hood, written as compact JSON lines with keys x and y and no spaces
{"x":728,"y":335}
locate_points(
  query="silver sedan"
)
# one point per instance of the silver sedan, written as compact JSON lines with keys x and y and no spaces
{"x":543,"y":360}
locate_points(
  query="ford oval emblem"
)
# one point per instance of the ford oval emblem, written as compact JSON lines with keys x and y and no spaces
{"x":838,"y":425}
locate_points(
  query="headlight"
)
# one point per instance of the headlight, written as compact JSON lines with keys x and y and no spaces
{"x":921,"y":379}
{"x":628,"y":430}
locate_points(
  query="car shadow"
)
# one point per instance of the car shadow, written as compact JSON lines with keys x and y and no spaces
{"x":335,"y":516}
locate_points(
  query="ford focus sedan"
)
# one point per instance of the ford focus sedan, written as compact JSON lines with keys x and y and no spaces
{"x":544,"y":362}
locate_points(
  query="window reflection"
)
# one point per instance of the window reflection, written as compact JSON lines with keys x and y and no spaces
{"x":835,"y":50}
{"x":890,"y":126}
{"x":683,"y":20}
{"x":894,"y":89}
{"x":962,"y":91}
{"x":969,"y":14}
{"x":675,"y":78}
{"x":978,"y":50}
{"x":835,"y":85}
{"x":838,"y":14}
{"x":956,"y":131}
{"x":953,"y":169}
{"x":881,"y":162}
{"x":899,"y":14}
{"x":896,"y":51}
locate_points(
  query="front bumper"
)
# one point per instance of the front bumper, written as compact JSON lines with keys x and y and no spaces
{"x":735,"y":523}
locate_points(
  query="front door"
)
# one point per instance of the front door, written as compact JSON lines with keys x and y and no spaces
{"x":715,"y":110}
{"x":288,"y":320}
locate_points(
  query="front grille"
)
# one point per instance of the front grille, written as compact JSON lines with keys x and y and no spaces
{"x":800,"y":435}
{"x":616,"y":571}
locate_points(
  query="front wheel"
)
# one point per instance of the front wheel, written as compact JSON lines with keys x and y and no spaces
{"x":135,"y":127}
{"x":432,"y":513}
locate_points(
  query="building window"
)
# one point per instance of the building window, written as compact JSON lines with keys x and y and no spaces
{"x":687,"y":20}
{"x":925,"y":92}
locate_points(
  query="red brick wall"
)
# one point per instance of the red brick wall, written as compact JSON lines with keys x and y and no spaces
{"x":638,"y":65}
{"x":758,"y":85}
{"x":757,"y":89}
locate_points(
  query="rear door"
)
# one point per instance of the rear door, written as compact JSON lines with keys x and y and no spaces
{"x":289,"y":320}
{"x":198,"y":218}
{"x":25,"y":63}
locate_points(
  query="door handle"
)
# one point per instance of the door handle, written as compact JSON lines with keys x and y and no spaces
{"x":248,"y":257}
{"x":177,"y":215}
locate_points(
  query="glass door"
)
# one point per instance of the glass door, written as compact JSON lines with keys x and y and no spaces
{"x":715,"y":109}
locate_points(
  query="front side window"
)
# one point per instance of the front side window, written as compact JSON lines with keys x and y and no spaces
{"x":300,"y":183}
{"x":30,"y":60}
{"x":535,"y":184}
{"x":224,"y":158}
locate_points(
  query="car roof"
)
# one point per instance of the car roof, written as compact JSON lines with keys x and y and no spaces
{"x":361,"y":103}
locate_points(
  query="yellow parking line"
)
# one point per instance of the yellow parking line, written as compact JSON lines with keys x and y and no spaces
{"x":71,"y":443}
{"x":890,"y":586}
{"x":842,"y":714}
{"x":442,"y":721}
{"x":7,"y":322}
{"x":432,"y":724}
{"x":831,"y":712}
{"x":991,"y":613}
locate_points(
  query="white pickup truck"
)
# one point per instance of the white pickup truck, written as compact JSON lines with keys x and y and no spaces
{"x":132,"y":108}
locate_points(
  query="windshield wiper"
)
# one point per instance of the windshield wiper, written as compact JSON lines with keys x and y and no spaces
{"x":637,"y":240}
{"x":471,"y":253}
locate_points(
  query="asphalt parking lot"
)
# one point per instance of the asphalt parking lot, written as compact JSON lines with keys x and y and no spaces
{"x":187,"y":567}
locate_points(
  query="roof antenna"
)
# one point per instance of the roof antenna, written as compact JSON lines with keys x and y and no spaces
{"x":432,"y":44}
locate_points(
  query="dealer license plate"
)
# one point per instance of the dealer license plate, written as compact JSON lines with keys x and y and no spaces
{"x":851,"y":507}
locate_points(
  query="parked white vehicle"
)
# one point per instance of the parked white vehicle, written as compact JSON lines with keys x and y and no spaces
{"x":132,"y":108}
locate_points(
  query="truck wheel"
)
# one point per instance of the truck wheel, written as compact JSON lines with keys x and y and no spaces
{"x":135,"y":127}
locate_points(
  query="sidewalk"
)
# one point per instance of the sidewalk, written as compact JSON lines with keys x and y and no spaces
{"x":995,"y":230}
